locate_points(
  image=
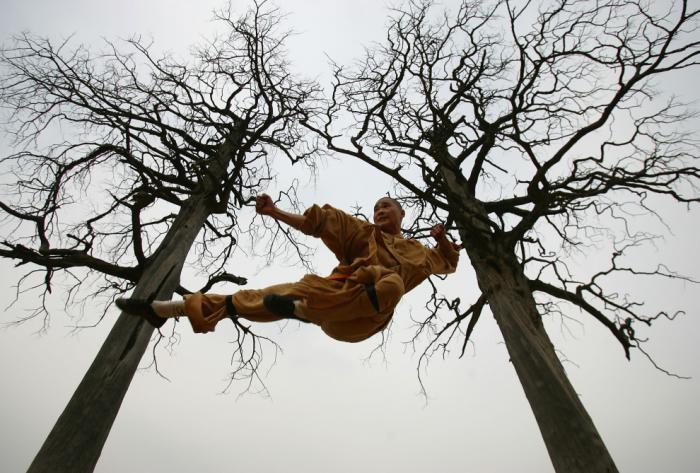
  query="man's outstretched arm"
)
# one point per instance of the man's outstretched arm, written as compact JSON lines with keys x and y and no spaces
{"x":264,"y":205}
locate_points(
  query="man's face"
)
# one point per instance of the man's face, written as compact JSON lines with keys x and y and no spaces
{"x":388,"y":215}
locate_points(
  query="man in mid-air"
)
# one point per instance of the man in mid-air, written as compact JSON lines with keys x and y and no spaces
{"x":377,"y":266}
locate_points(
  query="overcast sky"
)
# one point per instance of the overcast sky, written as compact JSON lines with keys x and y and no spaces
{"x":330,"y":409}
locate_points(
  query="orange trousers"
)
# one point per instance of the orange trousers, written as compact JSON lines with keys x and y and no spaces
{"x":340,"y":306}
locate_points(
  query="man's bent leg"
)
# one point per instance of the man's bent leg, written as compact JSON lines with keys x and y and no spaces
{"x":365,"y":314}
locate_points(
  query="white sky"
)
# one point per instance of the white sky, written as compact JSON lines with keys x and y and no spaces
{"x":330,"y":410}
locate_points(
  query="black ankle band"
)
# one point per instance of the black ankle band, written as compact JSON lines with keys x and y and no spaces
{"x":230,"y":308}
{"x":372,"y":293}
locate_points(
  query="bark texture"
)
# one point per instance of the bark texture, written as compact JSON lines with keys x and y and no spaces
{"x":572,"y":440}
{"x":76,"y":441}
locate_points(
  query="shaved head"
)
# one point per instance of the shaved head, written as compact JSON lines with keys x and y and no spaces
{"x":388,"y":215}
{"x":394,"y":201}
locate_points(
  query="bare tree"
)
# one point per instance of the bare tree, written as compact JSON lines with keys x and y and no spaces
{"x":534,"y":129}
{"x":124,"y":163}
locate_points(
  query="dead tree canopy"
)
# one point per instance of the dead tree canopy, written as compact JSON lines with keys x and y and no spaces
{"x":108,"y":146}
{"x":533,"y":128}
{"x":122,"y":163}
{"x":537,"y":129}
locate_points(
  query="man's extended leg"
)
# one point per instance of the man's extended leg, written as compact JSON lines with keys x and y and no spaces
{"x":157,"y":312}
{"x":345,"y":310}
{"x":205,"y":311}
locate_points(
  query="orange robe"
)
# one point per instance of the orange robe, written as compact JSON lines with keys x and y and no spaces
{"x":339,"y":304}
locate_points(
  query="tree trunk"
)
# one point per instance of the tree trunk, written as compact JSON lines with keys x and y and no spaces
{"x":76,"y":440}
{"x":573,"y":443}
